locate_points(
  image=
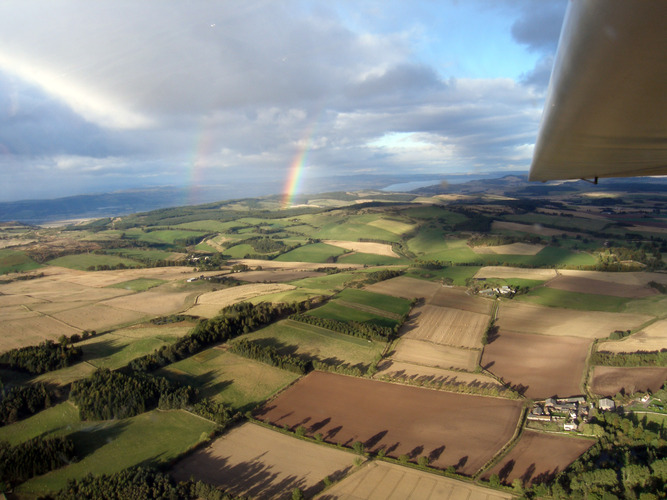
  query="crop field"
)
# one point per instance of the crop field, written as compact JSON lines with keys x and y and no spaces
{"x":13,"y":261}
{"x":380,"y":301}
{"x":31,"y":329}
{"x":405,"y":287}
{"x":329,"y":283}
{"x":539,"y":366}
{"x":97,"y":317}
{"x":315,"y":252}
{"x":650,"y":338}
{"x":625,"y":278}
{"x":442,"y":356}
{"x":363,"y":247}
{"x":520,"y":317}
{"x":447,"y":326}
{"x":529,"y":228}
{"x":512,"y":249}
{"x":610,"y":380}
{"x":593,"y":286}
{"x":571,"y":223}
{"x":83,"y":261}
{"x":457,"y":298}
{"x":312,"y":342}
{"x":168,"y":236}
{"x":339,"y":312}
{"x":382,"y":480}
{"x":451,"y":429}
{"x":554,"y":297}
{"x":275,"y":276}
{"x":354,"y":228}
{"x":253,"y":461}
{"x":458,"y":275}
{"x":147,"y":254}
{"x":239,"y":251}
{"x":111,"y":446}
{"x":393,"y":226}
{"x":153,"y":302}
{"x":539,"y":457}
{"x":209,"y":304}
{"x":515,"y":272}
{"x":138,"y":285}
{"x":408,"y":372}
{"x":370,"y":259}
{"x":106,"y":278}
{"x":228,"y":378}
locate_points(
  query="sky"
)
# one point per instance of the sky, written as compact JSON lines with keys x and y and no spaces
{"x":110,"y":95}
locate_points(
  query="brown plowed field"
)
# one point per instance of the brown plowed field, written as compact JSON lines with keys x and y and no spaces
{"x":651,"y":338}
{"x":520,"y":317}
{"x":451,"y":429}
{"x":385,"y":481}
{"x":420,"y":373}
{"x":630,"y":278}
{"x":275,"y":276}
{"x":587,"y":285}
{"x":515,"y":272}
{"x":538,"y":457}
{"x":421,"y":352}
{"x":610,"y":380}
{"x":538,"y":365}
{"x":447,"y":326}
{"x":260,"y":463}
{"x":405,"y":287}
{"x":457,"y":298}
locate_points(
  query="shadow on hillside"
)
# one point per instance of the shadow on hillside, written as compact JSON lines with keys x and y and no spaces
{"x":88,"y":440}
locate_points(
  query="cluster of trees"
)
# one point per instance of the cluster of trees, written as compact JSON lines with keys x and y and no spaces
{"x":475,"y":222}
{"x":271,"y":356}
{"x":32,"y":458}
{"x":658,"y":286}
{"x":619,"y":334}
{"x":41,"y":358}
{"x":429,"y":264}
{"x":107,"y":267}
{"x":654,"y":358}
{"x":138,"y":483}
{"x":232,"y":321}
{"x":383,"y":275}
{"x":352,"y":328}
{"x":24,"y":400}
{"x":215,"y":411}
{"x":628,"y":461}
{"x":647,"y":253}
{"x":173,"y":318}
{"x":493,"y":240}
{"x":106,"y":395}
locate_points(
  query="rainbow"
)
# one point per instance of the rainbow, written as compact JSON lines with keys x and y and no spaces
{"x":296,"y":169}
{"x":203,"y":147}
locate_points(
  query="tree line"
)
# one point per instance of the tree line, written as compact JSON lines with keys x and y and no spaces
{"x":41,"y":358}
{"x":22,"y":401}
{"x":32,"y":458}
{"x":642,"y":358}
{"x":232,"y":321}
{"x":271,"y":356}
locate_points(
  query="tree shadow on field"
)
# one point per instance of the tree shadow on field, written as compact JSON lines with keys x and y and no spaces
{"x":102,"y":348}
{"x":506,"y":470}
{"x":461,"y":463}
{"x":545,"y":477}
{"x":492,"y":334}
{"x":373,"y":441}
{"x":410,"y":324}
{"x":331,"y":433}
{"x":416,"y":451}
{"x":319,"y":425}
{"x":206,"y":383}
{"x":436,"y":453}
{"x":89,"y":439}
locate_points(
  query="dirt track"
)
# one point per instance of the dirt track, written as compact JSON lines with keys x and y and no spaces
{"x":451,"y":429}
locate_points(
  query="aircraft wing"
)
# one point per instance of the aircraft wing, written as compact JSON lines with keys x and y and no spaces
{"x":606,"y":109}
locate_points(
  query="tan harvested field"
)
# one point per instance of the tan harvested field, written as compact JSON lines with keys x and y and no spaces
{"x":512,"y":249}
{"x":97,"y":317}
{"x":31,"y":329}
{"x":152,"y":302}
{"x":457,"y":298}
{"x":610,"y":380}
{"x":588,"y":285}
{"x":364,"y":247}
{"x":539,"y":457}
{"x":209,"y":304}
{"x":537,"y":365}
{"x":253,"y":461}
{"x":515,"y":272}
{"x":17,"y":300}
{"x":52,"y":289}
{"x":106,"y":278}
{"x":629,"y":278}
{"x":385,"y":481}
{"x":405,"y":287}
{"x":651,"y":338}
{"x":442,"y":356}
{"x":428,"y":374}
{"x":451,"y":429}
{"x":530,"y":228}
{"x":271,"y":265}
{"x":648,"y":229}
{"x":521,"y":317}
{"x":447,"y":326}
{"x":275,"y":276}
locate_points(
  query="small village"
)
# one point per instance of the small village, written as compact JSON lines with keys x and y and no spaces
{"x":570,"y":411}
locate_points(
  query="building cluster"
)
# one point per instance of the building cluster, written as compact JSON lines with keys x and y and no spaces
{"x":504,"y":291}
{"x":567,"y":411}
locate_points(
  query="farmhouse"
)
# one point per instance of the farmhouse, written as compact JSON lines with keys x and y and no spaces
{"x":606,"y":404}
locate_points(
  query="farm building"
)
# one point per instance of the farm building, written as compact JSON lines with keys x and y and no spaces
{"x":606,"y":404}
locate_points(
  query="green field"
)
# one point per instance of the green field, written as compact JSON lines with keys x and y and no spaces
{"x":210,"y":226}
{"x":58,"y":420}
{"x":138,"y":285}
{"x":354,"y":228}
{"x":234,"y":380}
{"x":574,"y":300}
{"x":569,"y":223}
{"x":167,"y":236}
{"x":298,"y":295}
{"x":239,"y":251}
{"x":329,"y":283}
{"x":151,"y":255}
{"x":654,"y":306}
{"x":458,"y":274}
{"x":13,"y":261}
{"x":394,"y":305}
{"x":312,"y":342}
{"x":371,"y":259}
{"x":316,"y":252}
{"x":83,"y":261}
{"x":435,"y":212}
{"x":110,"y":446}
{"x":339,"y":312}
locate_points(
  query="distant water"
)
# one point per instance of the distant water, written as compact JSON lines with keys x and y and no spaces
{"x":409,"y":186}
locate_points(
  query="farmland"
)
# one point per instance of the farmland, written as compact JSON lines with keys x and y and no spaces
{"x":448,"y":326}
{"x":372,"y":417}
{"x":650,"y":338}
{"x":610,"y":380}
{"x":209,"y":304}
{"x":420,"y":352}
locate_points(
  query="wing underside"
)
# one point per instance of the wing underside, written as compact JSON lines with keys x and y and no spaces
{"x":606,"y":109}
